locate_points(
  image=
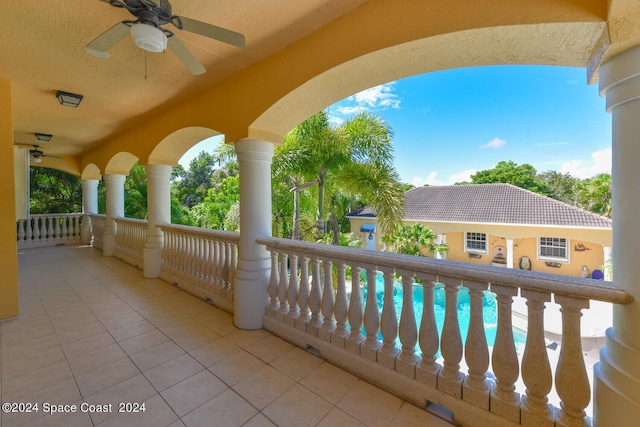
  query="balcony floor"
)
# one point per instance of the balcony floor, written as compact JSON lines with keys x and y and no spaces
{"x":93,"y":330}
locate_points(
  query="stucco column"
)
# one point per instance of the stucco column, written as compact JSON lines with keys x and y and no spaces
{"x":509,"y":253}
{"x":158,"y":211}
{"x":89,"y":206}
{"x":114,"y":185}
{"x":252,"y":273}
{"x":617,"y":375}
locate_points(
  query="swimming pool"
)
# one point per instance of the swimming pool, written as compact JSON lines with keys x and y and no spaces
{"x":490,"y":313}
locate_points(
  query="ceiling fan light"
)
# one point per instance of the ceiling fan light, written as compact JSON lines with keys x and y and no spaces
{"x":149,"y":37}
{"x":36,"y":160}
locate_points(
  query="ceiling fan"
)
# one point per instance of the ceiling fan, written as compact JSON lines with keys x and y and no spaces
{"x":147,"y":32}
{"x":37,"y":154}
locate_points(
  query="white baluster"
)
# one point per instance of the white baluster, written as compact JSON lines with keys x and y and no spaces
{"x":215,"y":262}
{"x":57,"y":228}
{"x":355,"y":313}
{"x":427,"y":371}
{"x":315,"y":298}
{"x":282,"y":287}
{"x":233,"y":263}
{"x":221,"y":263}
{"x":28,"y":232}
{"x":476,"y":389}
{"x":303,"y":295}
{"x":65,"y":229}
{"x":536,"y":370}
{"x":504,"y":400}
{"x":50,"y":235}
{"x":371,"y":345}
{"x":408,"y":332}
{"x":273,"y":285}
{"x":328,"y":303}
{"x":388,"y":324}
{"x":21,"y":232}
{"x":36,"y":230}
{"x":572,"y":383}
{"x":292,"y":292}
{"x":450,"y":379}
{"x":76,"y":227}
{"x":341,"y":308}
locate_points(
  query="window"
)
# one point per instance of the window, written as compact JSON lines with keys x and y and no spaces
{"x":553,"y":249}
{"x":475,"y":242}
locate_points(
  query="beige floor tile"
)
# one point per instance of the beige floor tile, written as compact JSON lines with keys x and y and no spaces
{"x":370,"y":405}
{"x":29,"y":348}
{"x":297,"y":363}
{"x":131,"y":330}
{"x":338,"y":418}
{"x":70,"y":335}
{"x":237,"y":367}
{"x":134,"y":390}
{"x":155,"y":413}
{"x":106,"y":376}
{"x":87,"y":345}
{"x":329,"y":382}
{"x":96,"y":359}
{"x":411,"y":416}
{"x":226,"y":409}
{"x":263,"y":387}
{"x":69,"y":419}
{"x":243,"y":338}
{"x":187,"y":395}
{"x":214,"y":352}
{"x":270,"y":348}
{"x":14,"y":389}
{"x":297,"y":407}
{"x":196,"y":338}
{"x":259,"y":420}
{"x":17,"y":367}
{"x":172,"y":372}
{"x":143,"y":341}
{"x":154,"y":356}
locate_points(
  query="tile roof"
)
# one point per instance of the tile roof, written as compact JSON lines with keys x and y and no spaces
{"x":491,"y":203}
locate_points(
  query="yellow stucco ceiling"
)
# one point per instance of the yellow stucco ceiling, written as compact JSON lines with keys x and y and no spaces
{"x":300,"y":56}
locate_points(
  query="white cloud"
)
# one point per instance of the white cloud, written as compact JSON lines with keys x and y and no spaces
{"x":601,"y":164}
{"x":494,"y":143}
{"x":378,"y":97}
{"x":432,"y":178}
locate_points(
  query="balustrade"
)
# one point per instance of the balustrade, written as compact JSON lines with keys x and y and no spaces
{"x":327,"y":306}
{"x":130,"y":237}
{"x":49,"y":230}
{"x":201,"y":261}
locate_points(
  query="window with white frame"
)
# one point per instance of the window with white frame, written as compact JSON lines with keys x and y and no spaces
{"x":553,"y":249}
{"x":475,"y":242}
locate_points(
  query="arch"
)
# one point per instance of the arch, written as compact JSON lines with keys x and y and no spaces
{"x":120,"y":164}
{"x":172,"y":148}
{"x":91,"y":171}
{"x":564,"y":44}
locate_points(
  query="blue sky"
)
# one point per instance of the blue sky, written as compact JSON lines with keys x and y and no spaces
{"x":450,"y":124}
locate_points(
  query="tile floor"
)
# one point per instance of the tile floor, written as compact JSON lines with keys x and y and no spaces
{"x":93,"y":331}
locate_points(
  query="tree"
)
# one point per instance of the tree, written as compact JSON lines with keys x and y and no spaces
{"x":135,"y":192}
{"x":523,"y":176}
{"x":356,"y":157}
{"x":595,"y":195}
{"x":414,"y":240}
{"x":560,"y":186}
{"x":54,"y":191}
{"x":193,"y":184}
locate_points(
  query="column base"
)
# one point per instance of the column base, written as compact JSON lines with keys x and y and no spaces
{"x":250,"y":297}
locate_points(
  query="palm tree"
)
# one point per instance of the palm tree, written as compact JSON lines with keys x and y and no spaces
{"x":413,"y":239}
{"x":356,"y":157}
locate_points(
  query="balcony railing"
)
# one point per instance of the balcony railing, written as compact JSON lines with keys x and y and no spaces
{"x":130,"y":237}
{"x":49,"y":230}
{"x":309,"y":308}
{"x":201,"y":261}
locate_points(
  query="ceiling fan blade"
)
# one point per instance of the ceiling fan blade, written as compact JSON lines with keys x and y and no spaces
{"x":52,"y":157}
{"x":105,"y":41}
{"x":185,"y":55}
{"x":213,"y":32}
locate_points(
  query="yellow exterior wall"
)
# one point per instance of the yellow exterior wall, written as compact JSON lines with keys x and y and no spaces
{"x":525,"y":244}
{"x":8,"y":246}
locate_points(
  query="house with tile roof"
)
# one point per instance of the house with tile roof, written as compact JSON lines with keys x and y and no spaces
{"x":503,"y":225}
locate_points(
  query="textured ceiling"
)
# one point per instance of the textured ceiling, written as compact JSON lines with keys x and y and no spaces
{"x":43,"y":52}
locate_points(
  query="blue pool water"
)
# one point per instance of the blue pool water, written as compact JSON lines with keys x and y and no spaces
{"x":489,"y":310}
